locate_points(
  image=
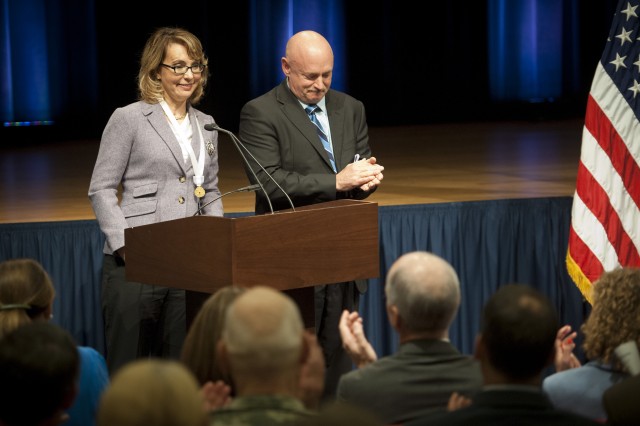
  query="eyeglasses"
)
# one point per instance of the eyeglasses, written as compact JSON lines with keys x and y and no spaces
{"x":182,"y":69}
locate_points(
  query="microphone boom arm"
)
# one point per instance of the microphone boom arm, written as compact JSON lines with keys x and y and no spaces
{"x":240,"y":146}
{"x":253,"y":187}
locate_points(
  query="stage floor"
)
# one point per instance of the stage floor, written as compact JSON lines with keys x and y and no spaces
{"x":423,"y":164}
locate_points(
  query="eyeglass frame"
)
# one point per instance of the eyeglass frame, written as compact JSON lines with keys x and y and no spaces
{"x":173,"y":68}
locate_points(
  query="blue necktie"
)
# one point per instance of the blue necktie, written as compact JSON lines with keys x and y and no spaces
{"x":311,"y":111}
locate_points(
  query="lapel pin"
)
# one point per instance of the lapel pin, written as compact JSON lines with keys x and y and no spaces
{"x":210,"y":148}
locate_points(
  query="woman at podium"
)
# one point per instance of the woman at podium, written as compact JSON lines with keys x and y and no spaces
{"x":155,"y":159}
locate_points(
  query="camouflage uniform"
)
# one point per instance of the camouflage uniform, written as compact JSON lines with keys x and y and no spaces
{"x":262,"y":410}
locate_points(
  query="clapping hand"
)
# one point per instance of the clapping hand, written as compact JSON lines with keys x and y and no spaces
{"x":457,"y":401}
{"x":354,"y":341}
{"x":565,"y":359}
{"x":216,"y":395}
{"x":365,"y":174}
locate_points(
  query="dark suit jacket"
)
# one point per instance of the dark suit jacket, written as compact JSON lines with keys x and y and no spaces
{"x":279,"y":134}
{"x":419,"y":378}
{"x":621,"y":402}
{"x":510,"y":406}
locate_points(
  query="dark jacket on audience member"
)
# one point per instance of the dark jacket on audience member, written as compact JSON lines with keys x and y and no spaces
{"x":506,"y":405}
{"x":416,"y":380}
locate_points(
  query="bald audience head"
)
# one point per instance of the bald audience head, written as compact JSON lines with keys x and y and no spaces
{"x":262,"y":338}
{"x":423,"y":295}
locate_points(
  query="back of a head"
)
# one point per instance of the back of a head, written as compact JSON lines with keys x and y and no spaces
{"x":199,"y":348}
{"x":263,"y":334}
{"x":426,"y":291}
{"x":39,"y":368}
{"x":615,"y":316}
{"x":26,"y":292}
{"x":152,"y":392}
{"x":518,"y":328}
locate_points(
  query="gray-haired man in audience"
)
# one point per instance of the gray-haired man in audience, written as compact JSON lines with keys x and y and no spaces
{"x":423,"y":296}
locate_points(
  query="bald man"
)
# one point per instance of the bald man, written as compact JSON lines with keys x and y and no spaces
{"x":312,"y":162}
{"x":264,"y":348}
{"x":423,"y":296}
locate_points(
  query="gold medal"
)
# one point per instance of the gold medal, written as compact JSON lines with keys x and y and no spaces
{"x":199,"y":191}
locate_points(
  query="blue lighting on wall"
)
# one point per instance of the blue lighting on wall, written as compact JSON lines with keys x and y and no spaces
{"x":27,"y":123}
{"x":24,"y":67}
{"x":271,"y":25}
{"x":6,"y":88}
{"x":525,"y":49}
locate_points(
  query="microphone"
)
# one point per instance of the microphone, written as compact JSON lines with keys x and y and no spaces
{"x":243,"y":189}
{"x":240,"y":146}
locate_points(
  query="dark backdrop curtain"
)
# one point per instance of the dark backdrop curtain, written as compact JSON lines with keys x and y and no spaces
{"x":411,"y":67}
{"x":75,"y":61}
{"x":48,"y":63}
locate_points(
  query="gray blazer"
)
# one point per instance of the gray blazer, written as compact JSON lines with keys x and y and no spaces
{"x":278,"y":132}
{"x":139,"y":151}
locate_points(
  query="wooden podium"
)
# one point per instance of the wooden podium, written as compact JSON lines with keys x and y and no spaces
{"x":324,"y":243}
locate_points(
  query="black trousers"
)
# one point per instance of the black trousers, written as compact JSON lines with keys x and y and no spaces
{"x":330,"y":301}
{"x":140,"y":320}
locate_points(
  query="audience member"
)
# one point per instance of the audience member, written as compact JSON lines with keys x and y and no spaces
{"x":26,"y":295}
{"x":423,"y":296}
{"x":265,"y":348}
{"x":152,"y":392}
{"x":39,"y":368}
{"x":199,"y":349}
{"x":515,"y":344}
{"x":620,"y":402}
{"x":614,"y":319}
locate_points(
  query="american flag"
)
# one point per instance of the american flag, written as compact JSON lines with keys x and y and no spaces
{"x":605,"y":216}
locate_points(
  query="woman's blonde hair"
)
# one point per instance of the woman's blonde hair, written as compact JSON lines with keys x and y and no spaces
{"x":200,"y":345}
{"x":152,"y":392}
{"x":149,"y":86}
{"x":26,"y":292}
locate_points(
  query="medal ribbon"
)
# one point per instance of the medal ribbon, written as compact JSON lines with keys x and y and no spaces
{"x":198,"y":165}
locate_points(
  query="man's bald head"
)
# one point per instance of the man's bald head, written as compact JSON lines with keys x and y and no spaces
{"x":308,"y":65}
{"x":307,"y":44}
{"x":263,"y":331}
